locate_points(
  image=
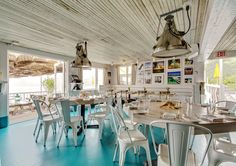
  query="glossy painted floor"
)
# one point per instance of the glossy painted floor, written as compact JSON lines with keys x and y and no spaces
{"x":18,"y":148}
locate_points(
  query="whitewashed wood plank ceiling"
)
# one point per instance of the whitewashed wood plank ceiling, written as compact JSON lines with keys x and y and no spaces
{"x":219,"y":30}
{"x":228,"y":42}
{"x":116,"y":30}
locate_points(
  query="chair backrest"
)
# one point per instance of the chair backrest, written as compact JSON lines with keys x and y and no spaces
{"x":38,"y":105}
{"x":225,"y":103}
{"x":119,"y":103}
{"x":230,"y":104}
{"x":178,"y":138}
{"x":119,"y":122}
{"x":64,"y":108}
{"x":114,"y":118}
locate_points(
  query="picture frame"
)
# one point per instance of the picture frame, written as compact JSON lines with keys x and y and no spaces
{"x":148,"y":76}
{"x":188,"y":80}
{"x":174,"y":64}
{"x":158,"y":79}
{"x":188,"y":71}
{"x":109,"y":74}
{"x":148,"y":65}
{"x":174,"y":77}
{"x":188,"y":62}
{"x":158,"y":67}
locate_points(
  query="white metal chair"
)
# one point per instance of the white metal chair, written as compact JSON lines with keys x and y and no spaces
{"x":177,"y":152}
{"x":222,"y":151}
{"x":227,"y":106}
{"x":128,"y":138}
{"x":69,"y":121}
{"x":128,"y":122}
{"x":45,"y":121}
{"x":100,"y":117}
{"x":44,"y":114}
{"x":224,"y":105}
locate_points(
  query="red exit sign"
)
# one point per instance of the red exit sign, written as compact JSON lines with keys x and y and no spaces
{"x":220,"y":54}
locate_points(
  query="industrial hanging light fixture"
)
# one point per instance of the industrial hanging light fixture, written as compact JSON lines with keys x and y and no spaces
{"x":171,"y":43}
{"x":81,"y":59}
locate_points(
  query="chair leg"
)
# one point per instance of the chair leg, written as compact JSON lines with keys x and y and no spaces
{"x":135,"y":150}
{"x":74,"y":129}
{"x":66,"y":131}
{"x":54,"y":127}
{"x":40,"y":127}
{"x":82,"y":121}
{"x":112,"y":127}
{"x":192,"y":141}
{"x":122,"y":155}
{"x":36,"y":126}
{"x":61,"y":133}
{"x":116,"y":148}
{"x":46,"y":129}
{"x":100,"y":130}
{"x":146,"y":147}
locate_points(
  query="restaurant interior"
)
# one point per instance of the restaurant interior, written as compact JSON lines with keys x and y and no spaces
{"x":118,"y":82}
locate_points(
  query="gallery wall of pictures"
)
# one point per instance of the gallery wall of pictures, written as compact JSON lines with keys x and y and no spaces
{"x":177,"y":71}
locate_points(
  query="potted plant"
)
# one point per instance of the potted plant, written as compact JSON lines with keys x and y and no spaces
{"x":49,"y":85}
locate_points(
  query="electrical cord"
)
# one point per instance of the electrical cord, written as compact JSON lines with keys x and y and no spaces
{"x":178,"y":35}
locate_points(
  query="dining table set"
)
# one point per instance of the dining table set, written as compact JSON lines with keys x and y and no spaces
{"x":145,"y":111}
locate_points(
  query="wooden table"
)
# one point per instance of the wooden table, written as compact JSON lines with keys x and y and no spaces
{"x":84,"y":101}
{"x":19,"y":105}
{"x":155,"y":113}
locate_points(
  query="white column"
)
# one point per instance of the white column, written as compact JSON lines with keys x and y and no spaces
{"x":4,"y":105}
{"x":221,"y":81}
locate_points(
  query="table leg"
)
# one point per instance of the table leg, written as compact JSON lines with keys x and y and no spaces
{"x":82,"y":112}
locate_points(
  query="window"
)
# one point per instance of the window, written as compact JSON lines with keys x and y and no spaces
{"x":125,"y":75}
{"x":221,"y":79}
{"x":100,"y":77}
{"x":89,"y":78}
{"x":93,"y":78}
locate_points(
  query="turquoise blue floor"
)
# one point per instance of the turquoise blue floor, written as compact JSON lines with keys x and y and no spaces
{"x":18,"y":148}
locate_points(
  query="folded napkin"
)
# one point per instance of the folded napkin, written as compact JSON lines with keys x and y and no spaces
{"x":169,"y":115}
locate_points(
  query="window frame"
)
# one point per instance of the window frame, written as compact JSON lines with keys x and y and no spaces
{"x":96,"y":87}
{"x":127,"y":75}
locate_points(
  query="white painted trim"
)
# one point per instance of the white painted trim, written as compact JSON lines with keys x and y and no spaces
{"x":30,"y":51}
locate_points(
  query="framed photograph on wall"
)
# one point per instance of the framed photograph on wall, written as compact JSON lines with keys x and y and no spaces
{"x":148,"y":77}
{"x":174,"y":77}
{"x":174,"y":64}
{"x":148,"y":65}
{"x":158,"y":79}
{"x":188,"y":80}
{"x":158,"y":67}
{"x":140,"y":77}
{"x":188,"y":71}
{"x":188,"y":62}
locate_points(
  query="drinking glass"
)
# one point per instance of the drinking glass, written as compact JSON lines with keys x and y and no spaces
{"x":189,"y":103}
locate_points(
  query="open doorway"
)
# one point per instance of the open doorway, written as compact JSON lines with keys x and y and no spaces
{"x":221,"y":79}
{"x":29,"y":76}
